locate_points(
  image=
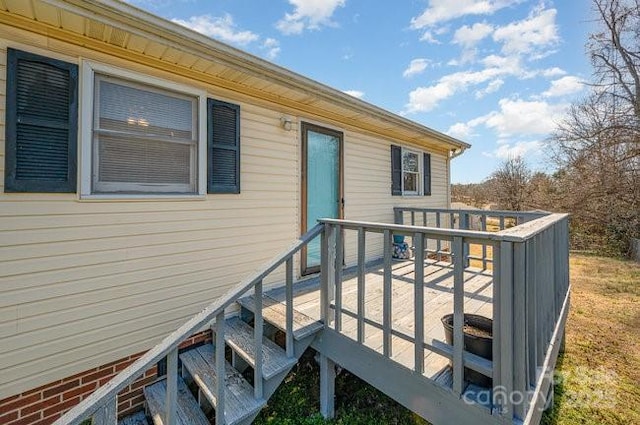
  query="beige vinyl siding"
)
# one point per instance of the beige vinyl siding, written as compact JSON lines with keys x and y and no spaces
{"x":367,"y":184}
{"x":83,"y":283}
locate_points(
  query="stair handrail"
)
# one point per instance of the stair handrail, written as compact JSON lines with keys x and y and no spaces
{"x":101,"y":404}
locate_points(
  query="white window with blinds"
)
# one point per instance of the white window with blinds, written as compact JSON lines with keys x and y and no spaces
{"x":411,"y":172}
{"x":141,"y":136}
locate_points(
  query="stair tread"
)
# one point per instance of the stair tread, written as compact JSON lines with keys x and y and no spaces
{"x":275,"y":312}
{"x":239,"y":400}
{"x":189,"y":412}
{"x":240,"y":337}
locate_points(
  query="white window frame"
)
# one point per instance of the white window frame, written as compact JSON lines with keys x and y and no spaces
{"x":87,"y":97}
{"x":420,"y":172}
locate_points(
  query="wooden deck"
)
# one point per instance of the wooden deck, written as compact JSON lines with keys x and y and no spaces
{"x":438,"y":301}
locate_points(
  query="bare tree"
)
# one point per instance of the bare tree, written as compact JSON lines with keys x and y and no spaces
{"x":615,"y":56}
{"x":511,"y":184}
{"x":597,"y":147}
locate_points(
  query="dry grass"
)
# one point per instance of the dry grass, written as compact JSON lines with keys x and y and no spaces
{"x":476,"y":251}
{"x":600,"y":368}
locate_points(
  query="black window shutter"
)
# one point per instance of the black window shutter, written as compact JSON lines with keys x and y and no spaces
{"x":223,"y":147}
{"x":41,"y":124}
{"x":426,"y":162}
{"x":396,"y":170}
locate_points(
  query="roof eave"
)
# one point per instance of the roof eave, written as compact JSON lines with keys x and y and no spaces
{"x":118,"y":13}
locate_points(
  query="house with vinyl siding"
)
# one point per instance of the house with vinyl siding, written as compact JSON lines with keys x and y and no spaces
{"x":147,"y":169}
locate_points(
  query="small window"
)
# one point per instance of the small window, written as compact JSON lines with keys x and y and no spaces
{"x":410,"y":172}
{"x":144,"y":136}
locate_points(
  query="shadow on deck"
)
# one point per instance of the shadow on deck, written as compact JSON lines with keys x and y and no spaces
{"x":358,"y":334}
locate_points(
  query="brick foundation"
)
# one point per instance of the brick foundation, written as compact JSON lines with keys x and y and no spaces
{"x":45,"y":404}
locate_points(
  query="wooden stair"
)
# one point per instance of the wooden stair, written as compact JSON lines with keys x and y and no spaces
{"x":188,"y":410}
{"x":199,"y":369}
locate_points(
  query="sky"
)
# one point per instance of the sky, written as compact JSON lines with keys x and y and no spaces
{"x":498,"y":74}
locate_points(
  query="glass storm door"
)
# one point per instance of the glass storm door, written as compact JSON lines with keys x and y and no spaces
{"x":321,"y":185}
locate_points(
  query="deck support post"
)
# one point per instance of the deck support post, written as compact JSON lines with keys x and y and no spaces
{"x":327,"y":387}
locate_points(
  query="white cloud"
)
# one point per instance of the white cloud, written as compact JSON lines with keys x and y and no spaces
{"x":222,"y":28}
{"x":460,"y":130}
{"x":469,"y":36}
{"x":511,"y":65}
{"x":440,"y":11}
{"x":308,"y":14}
{"x":492,"y":87}
{"x":417,"y":66}
{"x":553,"y":72}
{"x":355,"y":93}
{"x":517,"y":117}
{"x":538,"y":30}
{"x":429,"y":38}
{"x":465,"y":130}
{"x":272,"y":47}
{"x":511,"y":150}
{"x":424,"y":99}
{"x":564,"y":86}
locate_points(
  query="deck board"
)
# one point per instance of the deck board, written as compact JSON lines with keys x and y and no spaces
{"x":438,"y":301}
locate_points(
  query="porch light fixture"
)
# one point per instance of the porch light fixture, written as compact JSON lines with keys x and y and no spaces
{"x":286,"y":123}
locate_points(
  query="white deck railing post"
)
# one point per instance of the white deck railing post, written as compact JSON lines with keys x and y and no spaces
{"x":220,"y":369}
{"x":386,"y":295}
{"x":418,"y":240}
{"x":107,"y":414}
{"x":505,"y":347}
{"x":361,"y":282}
{"x":458,"y":313}
{"x":289,"y":307}
{"x":520,"y":364}
{"x":325,"y":275}
{"x":258,"y":329}
{"x":531,"y":312}
{"x":438,"y":241}
{"x":171,"y":413}
{"x":337,"y":270}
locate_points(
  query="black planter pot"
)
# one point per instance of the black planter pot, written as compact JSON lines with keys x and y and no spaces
{"x":478,"y":345}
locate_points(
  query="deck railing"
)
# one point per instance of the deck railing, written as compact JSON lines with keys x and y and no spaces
{"x":101,"y":406}
{"x":530,"y":304}
{"x":467,"y":219}
{"x":530,"y":295}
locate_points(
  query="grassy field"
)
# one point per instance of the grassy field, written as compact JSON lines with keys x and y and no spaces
{"x":599,"y":373}
{"x":598,"y":376}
